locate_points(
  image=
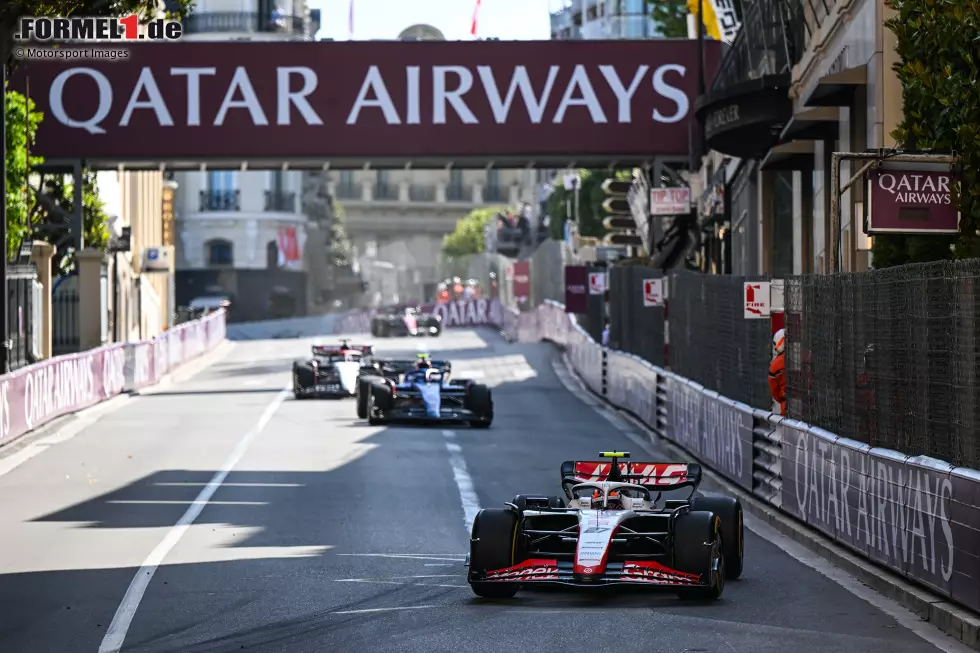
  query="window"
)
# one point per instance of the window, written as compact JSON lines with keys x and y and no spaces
{"x":277,"y":182}
{"x":456,"y":178}
{"x":222,"y":180}
{"x":219,"y":252}
{"x":383,"y":177}
{"x":272,"y":255}
{"x":346,"y":177}
{"x":493,"y":178}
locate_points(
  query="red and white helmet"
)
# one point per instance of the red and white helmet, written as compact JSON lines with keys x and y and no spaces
{"x":779,"y":341}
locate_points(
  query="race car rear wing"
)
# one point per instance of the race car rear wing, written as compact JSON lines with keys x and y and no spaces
{"x":654,"y":476}
{"x":327,"y":350}
{"x":401,"y":366}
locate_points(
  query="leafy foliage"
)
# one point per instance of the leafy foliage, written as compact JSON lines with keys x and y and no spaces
{"x":12,"y":10}
{"x":591,"y":197}
{"x":938,"y":66}
{"x":21,"y":128}
{"x":57,"y":231}
{"x":467,"y":238}
{"x":341,"y":251}
{"x":670,"y":17}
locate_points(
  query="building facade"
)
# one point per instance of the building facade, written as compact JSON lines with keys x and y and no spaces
{"x":242,"y":234}
{"x":603,"y":20}
{"x":788,"y":94}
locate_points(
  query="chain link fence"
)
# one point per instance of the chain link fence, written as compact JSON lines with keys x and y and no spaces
{"x":712,"y":342}
{"x":889,"y":357}
{"x":634,"y":327}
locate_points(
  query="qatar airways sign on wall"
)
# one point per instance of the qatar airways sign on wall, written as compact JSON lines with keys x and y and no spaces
{"x":322,"y":101}
{"x":908,"y":200}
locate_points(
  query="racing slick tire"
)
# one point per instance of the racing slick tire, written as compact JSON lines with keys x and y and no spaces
{"x":381,"y":398}
{"x":699,"y":549}
{"x":729,"y":509}
{"x":302,"y":376}
{"x":362,"y":393}
{"x":521,"y":501}
{"x":479,"y":401}
{"x":492,"y":546}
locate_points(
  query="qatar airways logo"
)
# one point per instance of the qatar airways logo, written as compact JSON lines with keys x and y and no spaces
{"x":452,"y":89}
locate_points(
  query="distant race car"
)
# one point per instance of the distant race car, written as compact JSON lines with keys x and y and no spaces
{"x":405,"y":321}
{"x":425,"y":393}
{"x":617,"y":529}
{"x":331,"y":371}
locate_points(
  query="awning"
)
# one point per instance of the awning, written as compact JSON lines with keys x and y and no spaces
{"x":819,"y":124}
{"x":837,"y":89}
{"x":796,"y":155}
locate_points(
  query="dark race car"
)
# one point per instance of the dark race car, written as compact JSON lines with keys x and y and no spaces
{"x":424,"y":394}
{"x":405,"y":321}
{"x":616,"y":529}
{"x":331,"y":371}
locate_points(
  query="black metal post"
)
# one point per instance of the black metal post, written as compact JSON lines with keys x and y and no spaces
{"x":4,"y":331}
{"x":702,"y":85}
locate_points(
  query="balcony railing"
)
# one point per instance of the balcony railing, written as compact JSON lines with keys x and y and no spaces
{"x":495,"y":194}
{"x":277,"y":200}
{"x":767,"y":44}
{"x":386,"y":192}
{"x":239,"y":21}
{"x":422,"y":193}
{"x":459,"y":193}
{"x":350,"y":191}
{"x":221,"y":200}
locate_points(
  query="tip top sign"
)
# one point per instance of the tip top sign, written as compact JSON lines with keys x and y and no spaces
{"x":756,"y":297}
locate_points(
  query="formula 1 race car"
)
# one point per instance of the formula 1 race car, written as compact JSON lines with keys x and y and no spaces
{"x":331,"y":371}
{"x":405,"y":321}
{"x":424,"y":395}
{"x":616,"y":529}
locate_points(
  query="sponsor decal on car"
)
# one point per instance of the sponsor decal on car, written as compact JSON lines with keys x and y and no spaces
{"x":649,"y":473}
{"x":654,"y":572}
{"x":529,"y":569}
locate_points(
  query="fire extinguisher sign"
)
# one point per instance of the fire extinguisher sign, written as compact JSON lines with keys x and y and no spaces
{"x":756,"y":296}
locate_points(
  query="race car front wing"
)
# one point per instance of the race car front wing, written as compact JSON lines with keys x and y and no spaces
{"x":614,"y":573}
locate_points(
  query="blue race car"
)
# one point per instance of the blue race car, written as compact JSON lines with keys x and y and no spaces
{"x":425,"y":395}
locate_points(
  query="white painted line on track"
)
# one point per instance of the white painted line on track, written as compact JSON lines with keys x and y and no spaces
{"x":116,"y":634}
{"x":409,"y":607}
{"x":406,"y":556}
{"x":467,"y":493}
{"x":904,"y":617}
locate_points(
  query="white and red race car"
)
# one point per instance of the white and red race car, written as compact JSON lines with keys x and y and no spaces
{"x":617,"y":528}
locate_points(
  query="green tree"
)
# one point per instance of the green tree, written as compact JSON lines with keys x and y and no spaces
{"x":55,"y":228}
{"x":591,"y":197}
{"x":12,"y":10}
{"x":341,"y":251}
{"x":467,"y":239}
{"x":670,"y":17}
{"x":21,"y":127}
{"x":941,"y":100}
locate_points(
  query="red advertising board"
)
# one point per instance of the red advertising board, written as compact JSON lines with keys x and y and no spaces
{"x":907,"y":200}
{"x":576,"y":289}
{"x":522,"y":279}
{"x":259,"y":102}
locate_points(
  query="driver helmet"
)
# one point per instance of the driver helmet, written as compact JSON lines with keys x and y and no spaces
{"x":779,"y":341}
{"x":614,"y":501}
{"x":423,"y":364}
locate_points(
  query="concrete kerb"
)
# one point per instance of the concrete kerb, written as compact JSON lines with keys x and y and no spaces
{"x":953,"y":620}
{"x":66,"y":426}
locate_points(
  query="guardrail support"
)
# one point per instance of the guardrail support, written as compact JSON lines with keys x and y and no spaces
{"x":605,"y":372}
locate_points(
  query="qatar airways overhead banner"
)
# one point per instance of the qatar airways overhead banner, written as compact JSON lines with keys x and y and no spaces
{"x":254,"y":101}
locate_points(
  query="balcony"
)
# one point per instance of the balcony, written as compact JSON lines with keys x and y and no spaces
{"x":422,"y":193}
{"x":495,"y":194}
{"x":459,"y":193}
{"x":387,"y":192}
{"x":348,"y":191}
{"x":221,"y":200}
{"x":249,"y":22}
{"x":281,"y":201}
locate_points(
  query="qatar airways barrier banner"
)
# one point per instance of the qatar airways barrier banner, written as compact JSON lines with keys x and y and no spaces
{"x":37,"y":394}
{"x":917,"y":516}
{"x":307,"y":102}
{"x":458,"y":313}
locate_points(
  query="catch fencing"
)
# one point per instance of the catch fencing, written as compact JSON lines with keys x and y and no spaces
{"x":39,"y":393}
{"x":890,"y":357}
{"x":634,"y":327}
{"x":914,"y":515}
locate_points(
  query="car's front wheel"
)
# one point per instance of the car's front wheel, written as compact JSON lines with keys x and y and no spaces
{"x":491,"y":548}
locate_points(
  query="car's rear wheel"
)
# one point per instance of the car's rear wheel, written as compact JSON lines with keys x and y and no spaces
{"x":492,"y":546}
{"x":381,"y":398}
{"x":362,"y":393}
{"x":729,"y":510}
{"x":302,"y":376}
{"x":699,"y":549}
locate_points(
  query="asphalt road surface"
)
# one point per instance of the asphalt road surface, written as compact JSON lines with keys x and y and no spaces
{"x":220,"y":514}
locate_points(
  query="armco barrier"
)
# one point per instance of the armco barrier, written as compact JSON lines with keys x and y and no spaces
{"x":917,"y":516}
{"x":37,"y":394}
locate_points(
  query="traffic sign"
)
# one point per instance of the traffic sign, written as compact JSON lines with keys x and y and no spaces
{"x":597,"y":283}
{"x":620,"y":238}
{"x":653,"y":292}
{"x":756,"y":298}
{"x":616,"y":222}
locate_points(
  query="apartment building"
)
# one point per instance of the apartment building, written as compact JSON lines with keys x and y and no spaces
{"x":242,"y":234}
{"x":603,"y":20}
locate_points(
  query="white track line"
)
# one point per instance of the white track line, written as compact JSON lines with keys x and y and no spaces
{"x":410,"y":607}
{"x":116,"y":634}
{"x":467,"y":494}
